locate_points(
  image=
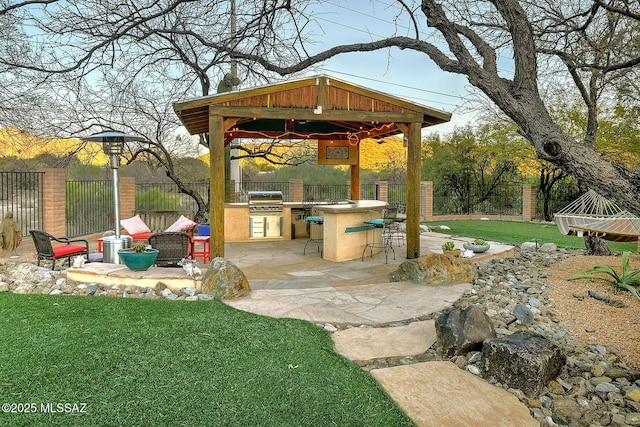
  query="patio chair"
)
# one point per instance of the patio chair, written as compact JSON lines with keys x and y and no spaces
{"x":46,"y":251}
{"x":173,"y":247}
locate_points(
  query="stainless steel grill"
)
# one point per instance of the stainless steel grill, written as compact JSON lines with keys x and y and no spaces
{"x":265,"y":202}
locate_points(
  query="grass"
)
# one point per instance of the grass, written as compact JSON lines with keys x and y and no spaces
{"x":169,"y":363}
{"x":517,"y":232}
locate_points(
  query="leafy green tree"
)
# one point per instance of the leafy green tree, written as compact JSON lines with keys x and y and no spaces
{"x":473,"y":163}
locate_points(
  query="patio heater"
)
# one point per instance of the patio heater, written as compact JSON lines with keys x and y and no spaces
{"x":113,"y":146}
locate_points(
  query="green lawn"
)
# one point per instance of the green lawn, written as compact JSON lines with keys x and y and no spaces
{"x":170,"y":363}
{"x":516,"y":232}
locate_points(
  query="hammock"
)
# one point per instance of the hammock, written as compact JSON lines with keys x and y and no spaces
{"x":594,"y":215}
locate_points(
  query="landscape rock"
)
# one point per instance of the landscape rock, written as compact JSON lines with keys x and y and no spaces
{"x":224,"y":280}
{"x":522,"y":360}
{"x":461,"y":331}
{"x":434,"y":269}
{"x":548,"y":248}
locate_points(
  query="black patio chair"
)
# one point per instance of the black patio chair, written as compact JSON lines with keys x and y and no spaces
{"x":46,"y":251}
{"x":172,"y":247}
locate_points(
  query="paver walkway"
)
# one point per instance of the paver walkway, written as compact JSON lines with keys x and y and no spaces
{"x":434,"y":394}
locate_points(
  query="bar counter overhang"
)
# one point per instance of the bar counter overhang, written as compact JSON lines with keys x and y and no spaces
{"x":345,"y":231}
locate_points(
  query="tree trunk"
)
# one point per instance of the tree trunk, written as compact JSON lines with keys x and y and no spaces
{"x":596,"y":246}
{"x":546,"y":208}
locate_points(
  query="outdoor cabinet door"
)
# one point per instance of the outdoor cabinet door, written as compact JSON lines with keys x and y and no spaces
{"x":273,"y":226}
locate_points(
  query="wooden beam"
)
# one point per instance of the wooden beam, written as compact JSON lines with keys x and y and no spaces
{"x":216,"y":184}
{"x":309,"y":114}
{"x":413,"y":189}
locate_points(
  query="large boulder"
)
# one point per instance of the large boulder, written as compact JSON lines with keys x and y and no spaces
{"x":224,"y":280}
{"x":522,"y":360}
{"x":435,"y":269}
{"x":461,"y":331}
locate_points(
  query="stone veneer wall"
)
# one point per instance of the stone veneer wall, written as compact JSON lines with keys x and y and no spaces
{"x":127,"y":196}
{"x":528,"y":202}
{"x":382,"y":191}
{"x":296,"y":190}
{"x":53,"y":200}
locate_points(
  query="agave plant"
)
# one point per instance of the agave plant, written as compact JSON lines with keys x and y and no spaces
{"x":627,"y":280}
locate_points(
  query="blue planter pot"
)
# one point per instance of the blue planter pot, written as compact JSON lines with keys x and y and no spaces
{"x":476,"y":248}
{"x":138,"y":261}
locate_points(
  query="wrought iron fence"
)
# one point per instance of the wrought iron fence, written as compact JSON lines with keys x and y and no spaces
{"x":368,"y":191}
{"x":167,"y":197}
{"x":89,"y":207}
{"x":89,"y":204}
{"x":397,"y":195}
{"x":505,"y":199}
{"x":563,"y":193}
{"x":20,"y":194}
{"x":321,"y":193}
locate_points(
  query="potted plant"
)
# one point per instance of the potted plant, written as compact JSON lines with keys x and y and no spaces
{"x":449,"y":248}
{"x":478,"y":245}
{"x":139,"y":257}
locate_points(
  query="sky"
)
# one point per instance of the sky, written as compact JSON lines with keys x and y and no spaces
{"x":406,"y":74}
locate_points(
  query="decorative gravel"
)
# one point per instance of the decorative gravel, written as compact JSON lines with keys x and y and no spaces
{"x":590,"y":320}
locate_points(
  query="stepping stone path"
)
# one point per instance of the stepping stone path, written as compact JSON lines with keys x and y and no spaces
{"x":376,"y":343}
{"x":440,"y":394}
{"x":432,"y":393}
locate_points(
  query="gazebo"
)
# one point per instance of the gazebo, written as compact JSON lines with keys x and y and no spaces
{"x":323,"y":108}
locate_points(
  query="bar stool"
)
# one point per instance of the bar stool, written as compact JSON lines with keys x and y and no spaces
{"x":385,"y":240}
{"x":394,"y":226}
{"x":319,"y":241}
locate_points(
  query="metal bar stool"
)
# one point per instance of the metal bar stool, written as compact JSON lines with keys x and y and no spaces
{"x":319,"y":241}
{"x":385,"y":240}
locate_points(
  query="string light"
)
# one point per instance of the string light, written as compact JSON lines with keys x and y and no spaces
{"x":352,"y":137}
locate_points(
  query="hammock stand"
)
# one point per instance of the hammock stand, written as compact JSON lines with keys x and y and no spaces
{"x":594,"y":215}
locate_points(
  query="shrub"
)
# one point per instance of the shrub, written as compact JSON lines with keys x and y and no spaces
{"x":627,"y":280}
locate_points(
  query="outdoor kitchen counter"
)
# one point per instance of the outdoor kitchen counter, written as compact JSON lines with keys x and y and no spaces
{"x":345,"y":233}
{"x":236,"y":223}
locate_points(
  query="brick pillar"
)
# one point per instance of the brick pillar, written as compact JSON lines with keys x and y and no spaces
{"x":528,"y":202}
{"x":296,"y":190}
{"x":426,"y":200}
{"x":127,"y":186}
{"x":53,"y":196}
{"x":382,"y":191}
{"x":232,"y":191}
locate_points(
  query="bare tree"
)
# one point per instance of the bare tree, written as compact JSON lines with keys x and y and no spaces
{"x":474,"y":35}
{"x":75,"y":45}
{"x":82,"y":67}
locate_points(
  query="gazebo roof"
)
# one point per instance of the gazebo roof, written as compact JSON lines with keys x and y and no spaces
{"x":320,"y":107}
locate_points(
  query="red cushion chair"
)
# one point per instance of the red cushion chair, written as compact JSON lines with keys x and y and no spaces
{"x":42,"y":241}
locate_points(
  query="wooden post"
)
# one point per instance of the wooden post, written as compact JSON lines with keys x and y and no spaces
{"x":216,"y":184}
{"x":413,"y":190}
{"x":355,"y":177}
